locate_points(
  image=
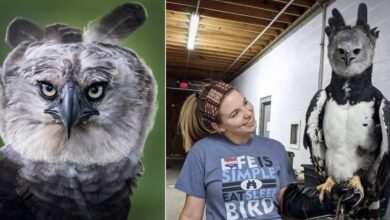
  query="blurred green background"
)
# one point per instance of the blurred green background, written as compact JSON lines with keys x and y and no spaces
{"x":148,"y":41}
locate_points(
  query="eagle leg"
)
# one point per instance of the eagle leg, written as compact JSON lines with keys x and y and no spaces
{"x":326,"y":187}
{"x":356,"y":183}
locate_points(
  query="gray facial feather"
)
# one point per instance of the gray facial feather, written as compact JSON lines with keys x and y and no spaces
{"x":126,"y":112}
{"x":350,"y":49}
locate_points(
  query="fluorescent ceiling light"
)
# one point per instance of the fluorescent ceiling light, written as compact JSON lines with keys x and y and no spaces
{"x":192,"y":31}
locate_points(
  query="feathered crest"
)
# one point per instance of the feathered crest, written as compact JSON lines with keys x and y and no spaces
{"x":62,"y":33}
{"x":337,"y":23}
{"x":21,"y":29}
{"x":116,"y":25}
{"x":111,"y":28}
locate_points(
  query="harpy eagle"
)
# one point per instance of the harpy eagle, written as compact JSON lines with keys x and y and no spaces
{"x":74,"y":114}
{"x":347,"y":123}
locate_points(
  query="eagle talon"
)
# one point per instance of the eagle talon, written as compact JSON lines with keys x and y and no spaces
{"x":326,"y":187}
{"x":355,"y":183}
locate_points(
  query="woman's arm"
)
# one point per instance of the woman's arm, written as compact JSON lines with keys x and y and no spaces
{"x":281,"y":192}
{"x":304,"y":203}
{"x":193,"y":208}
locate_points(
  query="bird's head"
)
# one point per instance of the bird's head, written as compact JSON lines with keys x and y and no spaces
{"x":69,"y":97}
{"x":350,"y":49}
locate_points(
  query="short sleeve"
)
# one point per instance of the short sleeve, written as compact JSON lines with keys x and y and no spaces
{"x":286,"y":175}
{"x":191,"y":177}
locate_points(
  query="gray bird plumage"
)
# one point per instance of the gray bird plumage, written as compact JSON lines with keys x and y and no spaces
{"x":347,"y":122}
{"x":348,"y":43}
{"x":74,"y":114}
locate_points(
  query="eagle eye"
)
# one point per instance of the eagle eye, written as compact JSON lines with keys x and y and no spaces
{"x":96,"y":91}
{"x":356,"y":51}
{"x":48,"y":91}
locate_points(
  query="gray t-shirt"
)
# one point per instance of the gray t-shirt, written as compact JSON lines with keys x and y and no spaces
{"x":237,"y":181}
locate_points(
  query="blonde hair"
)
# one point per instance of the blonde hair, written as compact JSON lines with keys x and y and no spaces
{"x":193,"y":123}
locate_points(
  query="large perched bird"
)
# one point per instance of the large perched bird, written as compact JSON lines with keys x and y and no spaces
{"x":347,"y":122}
{"x":74,"y":113}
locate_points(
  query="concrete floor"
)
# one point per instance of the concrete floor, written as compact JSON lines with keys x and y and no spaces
{"x":174,"y":199}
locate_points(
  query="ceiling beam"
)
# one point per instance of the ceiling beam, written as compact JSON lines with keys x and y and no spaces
{"x":205,"y":62}
{"x":220,"y":46}
{"x":211,"y":59}
{"x":217,"y":35}
{"x":204,"y":56}
{"x":183,"y":17}
{"x":226,"y":16}
{"x":202,"y":64}
{"x":217,"y":6}
{"x":200,"y":40}
{"x":174,"y":48}
{"x":300,"y":3}
{"x":193,"y":74}
{"x":214,"y":48}
{"x":268,"y":5}
{"x":193,"y":71}
{"x":213,"y":28}
{"x":227,"y":32}
{"x":206,"y":53}
{"x":214,"y":38}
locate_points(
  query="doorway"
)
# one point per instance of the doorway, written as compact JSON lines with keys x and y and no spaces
{"x":265,"y":116}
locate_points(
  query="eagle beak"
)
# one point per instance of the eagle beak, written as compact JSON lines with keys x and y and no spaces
{"x":72,"y":107}
{"x":347,"y":58}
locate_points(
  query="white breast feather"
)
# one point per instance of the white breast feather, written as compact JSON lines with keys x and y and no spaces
{"x":346,"y":128}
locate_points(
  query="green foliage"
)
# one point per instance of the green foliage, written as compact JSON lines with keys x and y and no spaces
{"x":148,"y":42}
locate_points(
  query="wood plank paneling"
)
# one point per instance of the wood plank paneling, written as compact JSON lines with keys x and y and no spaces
{"x":226,"y":28}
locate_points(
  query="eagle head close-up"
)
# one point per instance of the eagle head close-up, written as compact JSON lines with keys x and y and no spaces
{"x":75,"y":109}
{"x":351,"y":48}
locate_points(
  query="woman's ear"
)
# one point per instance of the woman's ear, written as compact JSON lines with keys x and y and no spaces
{"x":217,"y":127}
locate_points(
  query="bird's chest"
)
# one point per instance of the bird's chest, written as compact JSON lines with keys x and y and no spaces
{"x":349,"y":126}
{"x":73,"y":191}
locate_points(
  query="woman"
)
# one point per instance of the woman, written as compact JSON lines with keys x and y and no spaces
{"x":235,"y":173}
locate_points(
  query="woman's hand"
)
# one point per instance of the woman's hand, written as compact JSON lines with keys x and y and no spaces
{"x":193,"y":208}
{"x":304,"y":203}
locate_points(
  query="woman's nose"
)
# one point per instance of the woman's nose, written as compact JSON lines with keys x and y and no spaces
{"x":248,"y":112}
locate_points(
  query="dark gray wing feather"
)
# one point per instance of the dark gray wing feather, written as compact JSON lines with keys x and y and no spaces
{"x":381,"y":166}
{"x":11,"y":205}
{"x":2,"y":106}
{"x":313,"y":137}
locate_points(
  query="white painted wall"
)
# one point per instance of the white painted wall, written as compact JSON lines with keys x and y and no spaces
{"x":289,"y":72}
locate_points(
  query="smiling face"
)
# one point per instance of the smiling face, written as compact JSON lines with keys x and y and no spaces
{"x":237,"y":120}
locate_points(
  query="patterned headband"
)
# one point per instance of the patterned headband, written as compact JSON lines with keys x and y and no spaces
{"x":213,"y":101}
